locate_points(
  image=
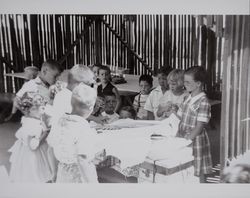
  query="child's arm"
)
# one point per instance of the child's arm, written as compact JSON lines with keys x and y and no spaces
{"x":196,"y":131}
{"x":119,"y":101}
{"x":163,"y":109}
{"x":99,"y":119}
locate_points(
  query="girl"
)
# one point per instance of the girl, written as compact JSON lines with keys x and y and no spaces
{"x":194,"y":114}
{"x":127,"y":112}
{"x":171,"y":100}
{"x":74,"y":145}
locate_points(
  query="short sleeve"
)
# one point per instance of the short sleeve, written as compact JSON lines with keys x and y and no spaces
{"x":204,"y":111}
{"x":148,"y":105}
{"x":27,"y":87}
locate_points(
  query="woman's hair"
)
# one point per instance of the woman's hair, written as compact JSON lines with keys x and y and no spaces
{"x":129,"y":109}
{"x":147,"y":78}
{"x":198,"y":73}
{"x":239,"y":173}
{"x":176,"y":75}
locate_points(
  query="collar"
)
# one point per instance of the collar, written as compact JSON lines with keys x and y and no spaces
{"x":158,"y":88}
{"x":39,"y":81}
{"x":195,"y":98}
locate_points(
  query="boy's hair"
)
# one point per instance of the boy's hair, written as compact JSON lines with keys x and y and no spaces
{"x":106,"y":68}
{"x":198,"y":73}
{"x":52,"y":64}
{"x":165,"y":70}
{"x":84,"y":97}
{"x":147,"y":78}
{"x":81,"y":73}
{"x":108,"y":94}
{"x":239,"y":173}
{"x":176,"y":75}
{"x":129,"y":109}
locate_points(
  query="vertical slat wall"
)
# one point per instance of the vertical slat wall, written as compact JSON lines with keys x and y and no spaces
{"x":179,"y":41}
{"x":235,"y":128}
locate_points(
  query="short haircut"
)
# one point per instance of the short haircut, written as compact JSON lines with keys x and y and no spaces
{"x":52,"y":64}
{"x":198,"y":73}
{"x":176,"y":75}
{"x":106,"y":68}
{"x":81,"y":73}
{"x":109,"y":94}
{"x":165,"y":70}
{"x":147,"y":78}
{"x":84,"y":96}
{"x":129,"y":109}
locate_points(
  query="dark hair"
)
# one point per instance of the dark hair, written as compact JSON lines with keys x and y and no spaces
{"x":129,"y":109}
{"x":147,"y":78}
{"x":165,"y":70}
{"x":54,"y":65}
{"x":198,"y":73}
{"x":106,"y":68}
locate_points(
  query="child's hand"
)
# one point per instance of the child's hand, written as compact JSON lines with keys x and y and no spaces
{"x":8,"y":118}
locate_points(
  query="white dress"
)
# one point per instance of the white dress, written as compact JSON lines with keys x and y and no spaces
{"x":29,"y":165}
{"x":71,"y":137}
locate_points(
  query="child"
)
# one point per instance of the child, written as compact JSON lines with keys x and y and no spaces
{"x":62,"y":101}
{"x":153,"y":100}
{"x":74,"y":146}
{"x":173,"y":98}
{"x":29,"y":160}
{"x":127,"y":112}
{"x":109,"y":109}
{"x":106,"y":87}
{"x":95,"y":69}
{"x":194,"y":114}
{"x":146,"y":84}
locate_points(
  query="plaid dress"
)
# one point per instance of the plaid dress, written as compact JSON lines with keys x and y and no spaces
{"x":192,"y":110}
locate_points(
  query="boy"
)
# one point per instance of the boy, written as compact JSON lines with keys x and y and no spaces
{"x":146,"y":84}
{"x":106,"y":87}
{"x":109,"y":109}
{"x":153,"y":100}
{"x":195,"y":113}
{"x":50,"y":70}
{"x":74,"y":146}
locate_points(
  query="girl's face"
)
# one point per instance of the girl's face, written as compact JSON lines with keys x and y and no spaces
{"x":190,"y":84}
{"x":163,"y":81}
{"x":125,"y":114}
{"x":104,"y":75}
{"x":110,"y":104}
{"x":145,"y":87}
{"x":95,"y":71}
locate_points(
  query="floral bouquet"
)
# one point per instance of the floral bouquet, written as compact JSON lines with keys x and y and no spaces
{"x":54,"y":89}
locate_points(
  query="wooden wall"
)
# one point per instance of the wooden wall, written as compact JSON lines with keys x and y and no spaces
{"x":235,"y":130}
{"x":141,"y":43}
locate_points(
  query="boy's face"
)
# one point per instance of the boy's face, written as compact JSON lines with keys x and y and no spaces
{"x":104,"y":75}
{"x":144,"y":87}
{"x":173,"y":85}
{"x":50,"y":75}
{"x":190,"y":84}
{"x":110,"y":104}
{"x":163,"y":81}
{"x":125,"y":114}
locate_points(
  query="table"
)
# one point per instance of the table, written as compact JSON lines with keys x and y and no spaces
{"x":131,"y":88}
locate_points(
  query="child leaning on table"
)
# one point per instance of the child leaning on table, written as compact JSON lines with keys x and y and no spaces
{"x":106,"y":87}
{"x":74,"y":145}
{"x":173,"y":98}
{"x":195,"y":113}
{"x":146,"y":84}
{"x":127,"y":112}
{"x":29,"y":159}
